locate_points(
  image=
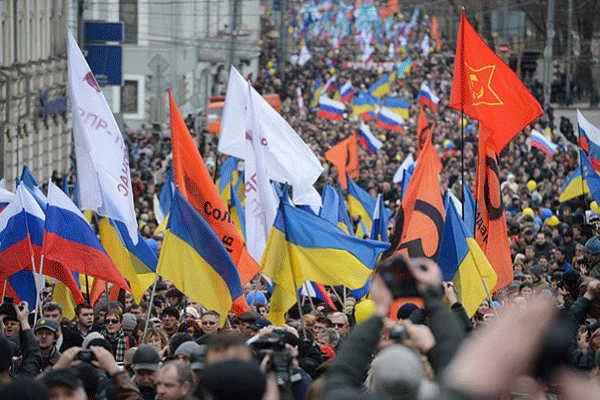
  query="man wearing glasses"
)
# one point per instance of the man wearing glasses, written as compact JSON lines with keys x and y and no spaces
{"x":210,"y":322}
{"x":340,"y":323}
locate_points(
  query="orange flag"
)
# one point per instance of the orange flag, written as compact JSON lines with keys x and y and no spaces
{"x":489,"y":90}
{"x":344,"y":156}
{"x":490,"y":221}
{"x":424,"y":130}
{"x":419,"y":222}
{"x":435,"y":34}
{"x":195,"y":183}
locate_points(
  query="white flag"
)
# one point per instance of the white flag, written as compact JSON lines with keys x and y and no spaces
{"x":261,"y":203}
{"x":288,"y":158}
{"x":406,"y":164}
{"x":102,"y":158}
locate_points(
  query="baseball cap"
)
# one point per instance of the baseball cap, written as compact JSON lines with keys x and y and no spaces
{"x":259,"y":324}
{"x":187,"y":348}
{"x":46,"y":323}
{"x":145,"y":357}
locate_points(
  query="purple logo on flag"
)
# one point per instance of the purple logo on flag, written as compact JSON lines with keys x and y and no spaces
{"x":89,"y":78}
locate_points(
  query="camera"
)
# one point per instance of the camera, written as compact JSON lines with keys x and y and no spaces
{"x":85,"y":355}
{"x":395,"y":273}
{"x":398,"y":333}
{"x":273,"y":345}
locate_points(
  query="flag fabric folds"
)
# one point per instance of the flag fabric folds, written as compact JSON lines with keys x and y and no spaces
{"x":379,"y":228}
{"x":298,"y":245}
{"x":420,"y":220}
{"x":541,"y":142}
{"x":390,"y":120}
{"x":5,"y":198}
{"x":368,"y":140}
{"x":382,"y":86}
{"x":330,"y":109}
{"x":424,"y":130}
{"x":101,"y":153}
{"x":427,"y":97}
{"x":70,"y":241}
{"x":344,"y":156}
{"x":591,"y":176}
{"x":404,"y":68}
{"x":462,"y":262}
{"x":317,"y":93}
{"x":137,"y":262}
{"x":236,"y":210}
{"x":196,"y":185}
{"x":490,"y":222}
{"x":194,"y":259}
{"x":574,"y":186}
{"x":488,"y":89}
{"x":346,"y":92}
{"x":362,"y":204}
{"x":331,"y":203}
{"x":589,"y":140}
{"x":398,"y":106}
{"x":365,"y":105}
{"x":408,"y":164}
{"x":470,"y":210}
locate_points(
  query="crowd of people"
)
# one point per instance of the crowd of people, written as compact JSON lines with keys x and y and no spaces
{"x":537,"y":338}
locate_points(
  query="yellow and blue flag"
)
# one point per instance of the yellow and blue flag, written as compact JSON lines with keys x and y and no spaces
{"x":397,"y":106}
{"x":195,"y":260}
{"x":334,"y":209}
{"x":236,"y":210}
{"x":463,"y":262}
{"x":361,"y":203}
{"x":382,"y":86}
{"x":590,"y":175}
{"x":365,"y":104}
{"x":404,"y":68}
{"x":379,"y":229}
{"x":470,"y":209}
{"x":226,"y":175}
{"x":317,"y":93}
{"x":137,"y":262}
{"x":574,"y":186}
{"x":304,"y":247}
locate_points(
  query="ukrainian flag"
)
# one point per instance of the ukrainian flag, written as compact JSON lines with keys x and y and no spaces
{"x":236,"y":210}
{"x":317,"y":93}
{"x":303,"y":247}
{"x":575,"y":186}
{"x":136,"y":262}
{"x":404,"y":68}
{"x":382,"y":86}
{"x":364,"y":103}
{"x":397,"y":106}
{"x":195,"y":260}
{"x":361,"y":203}
{"x":463,"y":262}
{"x":226,"y":174}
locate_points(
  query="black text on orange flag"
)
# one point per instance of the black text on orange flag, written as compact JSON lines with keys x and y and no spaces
{"x":490,"y":221}
{"x":344,"y":156}
{"x":195,"y":183}
{"x":488,"y":90}
{"x":419,"y":222}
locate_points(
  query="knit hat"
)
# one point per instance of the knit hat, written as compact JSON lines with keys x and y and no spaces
{"x":91,"y":336}
{"x":129,"y":322}
{"x":192,"y":311}
{"x":592,"y":246}
{"x":233,"y":380}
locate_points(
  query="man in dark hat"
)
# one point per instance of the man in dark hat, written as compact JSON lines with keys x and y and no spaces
{"x":592,"y":249}
{"x":46,"y":333}
{"x":170,"y":320}
{"x":145,"y":363}
{"x":174,"y":297}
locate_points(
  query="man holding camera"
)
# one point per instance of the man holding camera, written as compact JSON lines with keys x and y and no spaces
{"x":46,"y":333}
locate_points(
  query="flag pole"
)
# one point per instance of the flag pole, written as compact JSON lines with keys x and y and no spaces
{"x":462,"y":159}
{"x":312,"y":304}
{"x":87,"y":288}
{"x":299,"y":308}
{"x":489,"y":297}
{"x":38,"y":283}
{"x":150,"y":306}
{"x":4,"y":290}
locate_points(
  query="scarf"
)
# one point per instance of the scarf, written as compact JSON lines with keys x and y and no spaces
{"x":117,"y":341}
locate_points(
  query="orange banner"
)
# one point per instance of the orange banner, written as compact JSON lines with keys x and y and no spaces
{"x":490,"y":221}
{"x":344,"y":156}
{"x":424,"y":130}
{"x":419,"y":222}
{"x":489,"y":90}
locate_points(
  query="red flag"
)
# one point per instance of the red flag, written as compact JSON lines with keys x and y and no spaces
{"x":195,"y":183}
{"x":424,"y":130}
{"x":344,"y":156}
{"x":490,"y":221}
{"x":420,"y":220}
{"x":489,"y":90}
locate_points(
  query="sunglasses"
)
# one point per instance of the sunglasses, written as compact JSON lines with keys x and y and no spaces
{"x":210,"y":323}
{"x":339,"y":324}
{"x":112,"y":321}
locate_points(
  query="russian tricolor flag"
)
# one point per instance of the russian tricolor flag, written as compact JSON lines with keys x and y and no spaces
{"x":541,"y":142}
{"x":346,"y":92}
{"x":5,"y":198}
{"x":330,"y":84}
{"x":589,"y":140}
{"x":427,"y":97}
{"x":329,"y":108}
{"x":390,"y":120}
{"x":317,"y":291}
{"x":70,"y":241}
{"x":367,"y":139}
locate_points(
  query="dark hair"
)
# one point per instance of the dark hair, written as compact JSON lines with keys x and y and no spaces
{"x":524,"y":285}
{"x":177,"y":339}
{"x":52,"y":306}
{"x":82,"y":306}
{"x":224,"y":340}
